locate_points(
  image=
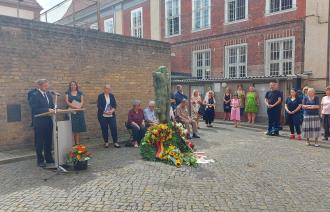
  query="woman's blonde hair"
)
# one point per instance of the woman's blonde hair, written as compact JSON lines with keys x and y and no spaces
{"x":327,"y":88}
{"x":194,"y":91}
{"x":311,"y":90}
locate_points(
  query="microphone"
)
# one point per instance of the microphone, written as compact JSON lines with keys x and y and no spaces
{"x":55,"y":93}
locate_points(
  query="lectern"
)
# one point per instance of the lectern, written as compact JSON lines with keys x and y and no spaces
{"x":62,"y":135}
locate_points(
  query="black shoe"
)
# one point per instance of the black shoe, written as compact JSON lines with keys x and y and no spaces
{"x":42,"y":164}
{"x":116,"y":145}
{"x":195,"y":135}
{"x":325,"y":138}
{"x":268,"y":133}
{"x":189,"y":137}
{"x":274,"y":134}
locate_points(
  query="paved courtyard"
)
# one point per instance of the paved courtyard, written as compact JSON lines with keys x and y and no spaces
{"x":251,"y":172}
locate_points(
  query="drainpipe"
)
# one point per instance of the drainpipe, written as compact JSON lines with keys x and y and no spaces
{"x":328,"y":57}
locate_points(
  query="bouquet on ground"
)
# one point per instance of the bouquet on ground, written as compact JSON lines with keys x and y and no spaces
{"x":167,"y":143}
{"x":78,"y":154}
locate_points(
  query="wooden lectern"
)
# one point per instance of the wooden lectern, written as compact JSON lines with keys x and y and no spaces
{"x":62,"y":135}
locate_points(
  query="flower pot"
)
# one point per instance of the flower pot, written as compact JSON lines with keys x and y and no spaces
{"x":80,"y":165}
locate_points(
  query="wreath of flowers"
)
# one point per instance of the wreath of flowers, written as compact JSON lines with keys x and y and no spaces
{"x":167,"y":143}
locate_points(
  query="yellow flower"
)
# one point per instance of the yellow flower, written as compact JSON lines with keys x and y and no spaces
{"x":178,"y":163}
{"x":78,"y":157}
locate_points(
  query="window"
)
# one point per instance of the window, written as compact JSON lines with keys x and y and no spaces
{"x":172,"y":13}
{"x":108,"y":25}
{"x":236,"y":61}
{"x":202,"y":64}
{"x":137,"y":23}
{"x":280,"y":55}
{"x":201,"y":14}
{"x":236,"y":10}
{"x":94,"y":26}
{"x":275,"y":6}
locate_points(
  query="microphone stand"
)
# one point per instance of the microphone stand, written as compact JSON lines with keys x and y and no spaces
{"x":60,"y":169}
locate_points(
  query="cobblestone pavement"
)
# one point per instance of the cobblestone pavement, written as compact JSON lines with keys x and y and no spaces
{"x":252,"y":172}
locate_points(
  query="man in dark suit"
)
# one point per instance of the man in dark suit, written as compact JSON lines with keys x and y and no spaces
{"x":106,"y":107}
{"x":30,"y":94}
{"x":42,"y":102}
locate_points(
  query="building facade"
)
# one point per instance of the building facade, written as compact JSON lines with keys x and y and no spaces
{"x":27,"y":9}
{"x":227,"y":42}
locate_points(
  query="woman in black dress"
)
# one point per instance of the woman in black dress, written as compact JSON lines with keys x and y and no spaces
{"x":209,"y":111}
{"x":74,"y":98}
{"x":226,"y":105}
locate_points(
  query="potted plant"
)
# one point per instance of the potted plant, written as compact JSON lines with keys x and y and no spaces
{"x":79,"y":157}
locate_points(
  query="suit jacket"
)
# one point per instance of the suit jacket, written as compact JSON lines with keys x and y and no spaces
{"x":40,"y":105}
{"x":101,"y":103}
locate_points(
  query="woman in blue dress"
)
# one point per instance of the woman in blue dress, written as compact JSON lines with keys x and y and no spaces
{"x":293,"y":106}
{"x":74,"y":98}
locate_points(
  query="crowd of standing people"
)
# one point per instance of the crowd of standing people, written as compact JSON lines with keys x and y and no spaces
{"x":305,"y":113}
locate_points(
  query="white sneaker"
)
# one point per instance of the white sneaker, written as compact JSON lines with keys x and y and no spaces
{"x":136,"y":145}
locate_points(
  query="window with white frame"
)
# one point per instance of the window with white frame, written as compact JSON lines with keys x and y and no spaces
{"x":137,"y":23}
{"x":201,"y":14}
{"x":236,"y":61}
{"x":280,"y":54}
{"x":275,"y":6}
{"x":202,"y":64}
{"x":108,"y":25}
{"x":172,"y":14}
{"x":94,"y":26}
{"x":236,"y":10}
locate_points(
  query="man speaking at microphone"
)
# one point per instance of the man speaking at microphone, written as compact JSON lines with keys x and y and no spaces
{"x":42,"y":102}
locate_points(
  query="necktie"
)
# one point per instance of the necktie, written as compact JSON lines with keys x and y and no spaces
{"x":45,"y":95}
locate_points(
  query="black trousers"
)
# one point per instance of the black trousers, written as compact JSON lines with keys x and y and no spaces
{"x":106,"y":123}
{"x":274,"y":116}
{"x":138,"y":133}
{"x":294,"y":123}
{"x":43,"y":133}
{"x":326,"y":125}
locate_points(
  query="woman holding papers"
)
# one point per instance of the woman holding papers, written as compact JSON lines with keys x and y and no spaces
{"x":74,"y":98}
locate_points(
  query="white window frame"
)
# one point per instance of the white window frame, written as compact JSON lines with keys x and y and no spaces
{"x":268,"y":13}
{"x":106,"y":21}
{"x":240,"y":20}
{"x":238,"y":64}
{"x":94,"y":26}
{"x":138,"y":10}
{"x":166,"y":17}
{"x":193,"y":17}
{"x":281,"y":60}
{"x":205,"y":68}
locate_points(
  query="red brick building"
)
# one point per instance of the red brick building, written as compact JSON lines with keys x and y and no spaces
{"x":228,"y":42}
{"x":214,"y":38}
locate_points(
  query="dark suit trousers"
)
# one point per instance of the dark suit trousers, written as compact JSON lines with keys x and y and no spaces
{"x":106,"y":123}
{"x":43,"y":131}
{"x":138,"y":133}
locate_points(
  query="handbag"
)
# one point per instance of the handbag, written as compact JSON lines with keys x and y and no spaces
{"x":201,"y":110}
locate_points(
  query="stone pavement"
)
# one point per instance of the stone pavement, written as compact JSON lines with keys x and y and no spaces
{"x":252,"y":172}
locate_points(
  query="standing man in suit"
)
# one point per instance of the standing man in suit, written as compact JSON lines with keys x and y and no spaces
{"x":106,"y":107}
{"x":42,"y":102}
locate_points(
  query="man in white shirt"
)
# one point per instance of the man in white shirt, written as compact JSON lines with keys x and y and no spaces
{"x":150,"y":115}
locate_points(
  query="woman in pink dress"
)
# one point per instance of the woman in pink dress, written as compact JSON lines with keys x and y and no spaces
{"x":235,"y":110}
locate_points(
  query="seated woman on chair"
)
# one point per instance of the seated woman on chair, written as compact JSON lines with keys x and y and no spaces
{"x":136,"y":122}
{"x":182,"y":116}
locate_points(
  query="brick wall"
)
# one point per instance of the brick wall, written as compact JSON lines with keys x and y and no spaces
{"x":31,"y":50}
